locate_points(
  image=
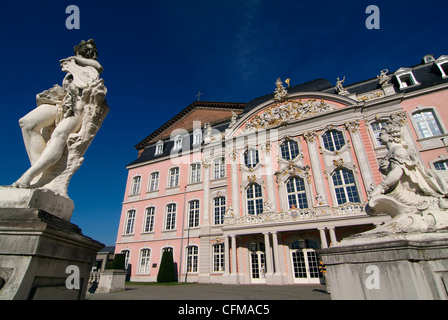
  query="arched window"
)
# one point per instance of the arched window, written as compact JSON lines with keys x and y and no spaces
{"x":295,"y":189}
{"x":174,"y":177}
{"x":254,"y":199}
{"x":127,"y":254}
{"x":333,"y":140}
{"x":290,"y":149}
{"x":219,"y":168}
{"x":345,"y":186}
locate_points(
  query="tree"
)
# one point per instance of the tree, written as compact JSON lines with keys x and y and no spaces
{"x":167,"y":271}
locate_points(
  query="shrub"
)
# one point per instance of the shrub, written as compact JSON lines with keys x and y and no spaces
{"x":167,"y":271}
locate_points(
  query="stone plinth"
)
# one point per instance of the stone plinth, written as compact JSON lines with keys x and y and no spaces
{"x":389,"y":267}
{"x":45,"y":200}
{"x":111,"y":280}
{"x":36,"y":250}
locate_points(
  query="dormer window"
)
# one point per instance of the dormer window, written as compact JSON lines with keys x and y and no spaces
{"x":159,"y":148}
{"x":442,"y":64}
{"x":405,"y":78}
{"x":177,"y":143}
{"x":197,"y":137}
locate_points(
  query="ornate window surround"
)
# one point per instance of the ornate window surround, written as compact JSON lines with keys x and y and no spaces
{"x":437,"y":117}
{"x":345,"y":147}
{"x":303,"y":172}
{"x":353,"y":169}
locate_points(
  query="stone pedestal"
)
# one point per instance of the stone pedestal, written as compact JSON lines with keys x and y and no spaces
{"x":111,"y":281}
{"x":43,"y":256}
{"x":389,"y":267}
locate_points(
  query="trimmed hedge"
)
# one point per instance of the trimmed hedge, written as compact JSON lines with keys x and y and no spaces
{"x":167,"y":271}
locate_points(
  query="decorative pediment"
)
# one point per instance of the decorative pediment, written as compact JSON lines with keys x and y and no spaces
{"x":293,"y":170}
{"x":282,"y":113}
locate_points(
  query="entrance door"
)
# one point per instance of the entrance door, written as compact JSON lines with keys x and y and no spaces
{"x":305,"y":264}
{"x":257,"y":262}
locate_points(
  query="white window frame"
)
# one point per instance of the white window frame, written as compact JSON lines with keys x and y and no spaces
{"x":436,"y":117}
{"x":197,"y":137}
{"x":254,"y":200}
{"x":170,"y":217}
{"x":252,"y":154}
{"x":192,"y":259}
{"x":195,"y":172}
{"x":406,"y":73}
{"x":289,"y":154}
{"x":173,"y":177}
{"x":219,"y":168}
{"x":135,"y":185}
{"x":154,"y":181}
{"x":177,"y":143}
{"x":144,"y":262}
{"x":159,"y":148}
{"x":150,"y":213}
{"x":330,"y":132}
{"x":130,"y":222}
{"x":344,"y":186}
{"x":219,"y":210}
{"x":296,"y":193}
{"x":127,"y":255}
{"x":376,"y":134}
{"x":193,"y":213}
{"x":218,"y":257}
{"x":441,"y":63}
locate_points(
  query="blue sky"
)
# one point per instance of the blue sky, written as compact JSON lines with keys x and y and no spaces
{"x":157,"y":55}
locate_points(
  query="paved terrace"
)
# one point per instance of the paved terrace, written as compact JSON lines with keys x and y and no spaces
{"x":215,"y":292}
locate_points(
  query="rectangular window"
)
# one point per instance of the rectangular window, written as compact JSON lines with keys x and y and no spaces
{"x":174,"y":177}
{"x":218,"y":257}
{"x":220,"y":210}
{"x":149,"y":219}
{"x":154,"y":181}
{"x":195,"y":173}
{"x":159,"y":149}
{"x":376,"y":128}
{"x":130,"y":220}
{"x":135,"y":187}
{"x":192,"y":259}
{"x":145,"y":255}
{"x":427,"y":123}
{"x":193,"y":219}
{"x":219,"y":168}
{"x":170,"y":217}
{"x":441,"y":165}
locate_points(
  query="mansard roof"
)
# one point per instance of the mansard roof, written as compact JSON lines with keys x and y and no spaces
{"x":427,"y":74}
{"x":164,"y":131}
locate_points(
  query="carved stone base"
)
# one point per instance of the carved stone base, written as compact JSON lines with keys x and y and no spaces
{"x":42,"y":199}
{"x":36,"y":249}
{"x":389,"y":267}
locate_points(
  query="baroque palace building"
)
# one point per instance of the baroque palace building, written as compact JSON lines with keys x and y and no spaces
{"x":246,"y":192}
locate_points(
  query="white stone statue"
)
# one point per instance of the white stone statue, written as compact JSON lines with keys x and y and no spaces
{"x":339,"y":86}
{"x":59,"y":130}
{"x":415,"y":197}
{"x":383,"y":78}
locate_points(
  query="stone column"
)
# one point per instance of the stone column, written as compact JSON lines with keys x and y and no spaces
{"x":268,"y":251}
{"x":234,"y":261}
{"x":323,"y":238}
{"x":206,"y":206}
{"x":333,"y":238}
{"x":235,"y":187}
{"x":226,"y":255}
{"x":319,"y":180}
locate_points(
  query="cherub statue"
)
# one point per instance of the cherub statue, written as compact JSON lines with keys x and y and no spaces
{"x":414,"y":196}
{"x":59,"y":130}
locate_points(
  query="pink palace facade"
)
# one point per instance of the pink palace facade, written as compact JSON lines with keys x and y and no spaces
{"x":244,"y":193}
